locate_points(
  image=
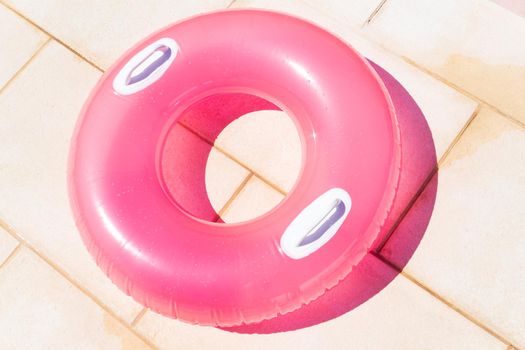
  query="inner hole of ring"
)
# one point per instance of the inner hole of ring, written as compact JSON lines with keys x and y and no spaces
{"x":230,"y":158}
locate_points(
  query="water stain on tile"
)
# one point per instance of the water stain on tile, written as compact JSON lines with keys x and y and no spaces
{"x":502,"y":85}
{"x":128,"y":340}
{"x":486,"y":127}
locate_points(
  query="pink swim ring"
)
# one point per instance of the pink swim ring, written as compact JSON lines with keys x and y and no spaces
{"x":228,"y":274}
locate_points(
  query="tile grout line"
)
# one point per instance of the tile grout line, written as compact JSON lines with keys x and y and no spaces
{"x":374,"y":13}
{"x":235,"y":194}
{"x":139,"y":316}
{"x":87,"y":293}
{"x":429,"y":177}
{"x":11,"y":255}
{"x":459,"y":136}
{"x":406,"y":210}
{"x":49,"y":34}
{"x":255,"y":173}
{"x":457,"y":309}
{"x":24,"y":66}
{"x":76,"y":284}
{"x":227,"y":154}
{"x":510,"y":118}
{"x":443,"y":300}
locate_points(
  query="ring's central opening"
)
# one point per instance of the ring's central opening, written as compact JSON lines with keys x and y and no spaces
{"x":230,"y":158}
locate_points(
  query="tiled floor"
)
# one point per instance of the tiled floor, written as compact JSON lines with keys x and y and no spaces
{"x":462,"y":61}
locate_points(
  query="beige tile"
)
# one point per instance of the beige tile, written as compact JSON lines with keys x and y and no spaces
{"x":37,"y":113}
{"x":102,"y":30}
{"x":18,"y":40}
{"x":223,"y":178}
{"x":7,"y":245}
{"x":472,"y":252}
{"x":402,"y":316}
{"x":268,"y":143}
{"x":255,"y":199}
{"x":474,"y":44}
{"x":42,"y":310}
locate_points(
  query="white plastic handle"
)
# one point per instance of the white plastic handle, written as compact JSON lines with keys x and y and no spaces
{"x":146,"y":67}
{"x":316,"y":224}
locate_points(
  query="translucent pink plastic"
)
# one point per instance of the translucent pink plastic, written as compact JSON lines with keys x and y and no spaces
{"x":228,"y":274}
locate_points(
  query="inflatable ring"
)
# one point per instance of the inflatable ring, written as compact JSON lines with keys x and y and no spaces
{"x":228,"y":274}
